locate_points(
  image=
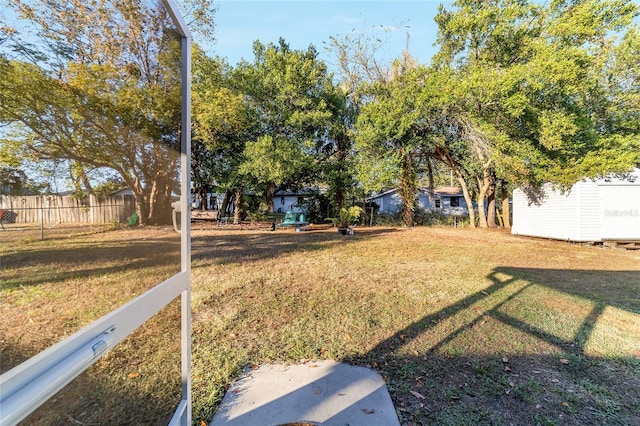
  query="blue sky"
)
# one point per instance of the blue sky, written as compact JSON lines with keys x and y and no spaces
{"x":240,"y":22}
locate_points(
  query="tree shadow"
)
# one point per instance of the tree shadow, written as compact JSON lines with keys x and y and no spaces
{"x":82,"y":260}
{"x":255,"y":246}
{"x":562,"y":383}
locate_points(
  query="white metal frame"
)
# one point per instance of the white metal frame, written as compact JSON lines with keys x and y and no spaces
{"x":28,"y":385}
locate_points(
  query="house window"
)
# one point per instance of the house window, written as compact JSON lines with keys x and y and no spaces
{"x":437,"y":203}
{"x":455,"y":201}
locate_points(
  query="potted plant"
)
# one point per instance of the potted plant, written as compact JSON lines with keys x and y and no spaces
{"x":346,"y":219}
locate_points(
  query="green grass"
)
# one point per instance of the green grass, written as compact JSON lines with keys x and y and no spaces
{"x":489,"y":328}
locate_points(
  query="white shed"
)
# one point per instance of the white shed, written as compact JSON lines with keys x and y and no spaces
{"x":590,"y":211}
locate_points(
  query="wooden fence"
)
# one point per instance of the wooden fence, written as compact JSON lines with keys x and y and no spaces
{"x":52,"y":209}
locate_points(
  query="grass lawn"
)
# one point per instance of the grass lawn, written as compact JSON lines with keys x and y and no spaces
{"x":467,"y":326}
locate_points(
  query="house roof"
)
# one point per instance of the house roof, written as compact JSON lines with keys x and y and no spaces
{"x":439,"y":190}
{"x":447,"y":190}
{"x":289,"y":192}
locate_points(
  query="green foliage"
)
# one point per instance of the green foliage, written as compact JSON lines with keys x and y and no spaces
{"x":542,"y":87}
{"x":346,"y":217}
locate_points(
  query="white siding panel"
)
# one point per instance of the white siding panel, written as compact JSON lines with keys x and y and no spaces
{"x":620,"y":212}
{"x":555,"y":217}
{"x":588,"y":212}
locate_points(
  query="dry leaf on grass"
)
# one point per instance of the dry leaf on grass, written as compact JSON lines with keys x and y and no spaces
{"x":133,"y":375}
{"x":564,"y":361}
{"x":417,"y":394}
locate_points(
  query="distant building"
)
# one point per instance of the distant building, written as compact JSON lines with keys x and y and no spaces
{"x":288,"y":200}
{"x":447,"y":200}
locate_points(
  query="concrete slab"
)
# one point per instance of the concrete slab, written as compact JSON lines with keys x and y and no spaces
{"x":317,"y":393}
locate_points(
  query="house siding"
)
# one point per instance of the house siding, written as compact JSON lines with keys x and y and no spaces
{"x":391,"y":203}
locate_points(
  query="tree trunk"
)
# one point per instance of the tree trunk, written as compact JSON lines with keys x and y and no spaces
{"x":491,"y":206}
{"x":269,"y":193}
{"x":237,"y":206}
{"x":506,"y":208}
{"x":467,"y":199}
{"x":408,"y":189}
{"x":225,"y":202}
{"x":483,"y":187}
{"x":339,"y":176}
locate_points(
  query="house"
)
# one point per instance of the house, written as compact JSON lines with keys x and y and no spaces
{"x":598,"y":210}
{"x":449,"y":201}
{"x":288,"y":200}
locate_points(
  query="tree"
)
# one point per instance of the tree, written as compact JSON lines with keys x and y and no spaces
{"x":100,"y":86}
{"x":532,"y":87}
{"x":392,"y":126}
{"x":358,"y":58}
{"x":222,"y":124}
{"x":294,"y":104}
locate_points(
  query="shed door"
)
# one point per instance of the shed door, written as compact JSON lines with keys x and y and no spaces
{"x":620,"y":212}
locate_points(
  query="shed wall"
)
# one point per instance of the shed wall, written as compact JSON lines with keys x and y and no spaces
{"x":605,"y":209}
{"x":620,"y":212}
{"x":588,"y":217}
{"x":556,"y":216}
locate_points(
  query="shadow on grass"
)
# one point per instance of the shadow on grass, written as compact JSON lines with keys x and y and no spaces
{"x":253,"y":246}
{"x":83,"y":260}
{"x":535,"y":372}
{"x":558,"y":384}
{"x":137,"y":383}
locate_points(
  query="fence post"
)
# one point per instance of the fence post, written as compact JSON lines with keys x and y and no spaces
{"x":42,"y":220}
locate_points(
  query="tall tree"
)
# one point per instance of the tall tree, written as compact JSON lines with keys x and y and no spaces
{"x":392,"y":126}
{"x":293,"y":101}
{"x":530,"y":83}
{"x":222,"y":125}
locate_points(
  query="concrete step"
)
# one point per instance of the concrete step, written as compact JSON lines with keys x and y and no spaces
{"x":315,"y":393}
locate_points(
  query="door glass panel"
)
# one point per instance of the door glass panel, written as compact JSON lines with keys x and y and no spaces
{"x":90,"y":110}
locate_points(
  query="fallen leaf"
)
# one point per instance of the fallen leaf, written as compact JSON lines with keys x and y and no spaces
{"x":417,"y":394}
{"x":512,"y":384}
{"x":555,"y":380}
{"x":133,"y":375}
{"x":507,"y":369}
{"x":507,"y":391}
{"x":538,"y":406}
{"x":202,"y":423}
{"x":505,"y":359}
{"x":565,"y":403}
{"x":314,"y":366}
{"x":318,"y":392}
{"x":564,"y":361}
{"x":367,"y":411}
